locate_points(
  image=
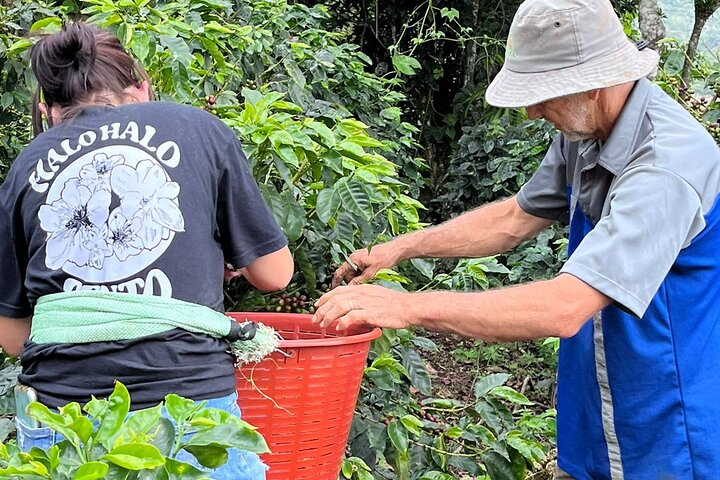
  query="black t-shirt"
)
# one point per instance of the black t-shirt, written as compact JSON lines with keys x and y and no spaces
{"x":150,"y":198}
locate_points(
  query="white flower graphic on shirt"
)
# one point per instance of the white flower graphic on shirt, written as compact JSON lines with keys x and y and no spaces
{"x":74,"y":223}
{"x":96,"y":174}
{"x":146,"y":193}
{"x":110,"y":216}
{"x":124,"y":237}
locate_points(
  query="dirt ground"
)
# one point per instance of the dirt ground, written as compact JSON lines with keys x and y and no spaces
{"x":454,"y":371}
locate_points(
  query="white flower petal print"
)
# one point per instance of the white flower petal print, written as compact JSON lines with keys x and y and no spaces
{"x":53,"y":217}
{"x":169,"y":190}
{"x":79,"y":214}
{"x":98,"y":206}
{"x":96,"y":174}
{"x":153,"y":177}
{"x":123,"y":179}
{"x":166,"y":213}
{"x":132,"y":204}
{"x":74,"y":193}
{"x":124,"y":237}
{"x":146,"y":193}
{"x":151,"y":233}
{"x":58,"y":247}
{"x":96,"y":244}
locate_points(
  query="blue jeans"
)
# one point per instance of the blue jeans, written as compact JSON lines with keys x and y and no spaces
{"x":241,"y":465}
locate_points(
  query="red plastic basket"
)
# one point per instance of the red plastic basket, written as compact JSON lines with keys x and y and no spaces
{"x":303,"y":399}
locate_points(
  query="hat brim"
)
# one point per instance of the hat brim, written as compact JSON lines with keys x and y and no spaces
{"x":515,"y":89}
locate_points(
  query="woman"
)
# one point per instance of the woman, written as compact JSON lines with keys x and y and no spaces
{"x":134,"y":197}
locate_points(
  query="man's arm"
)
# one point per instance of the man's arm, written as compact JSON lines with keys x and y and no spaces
{"x":14,"y":333}
{"x":557,"y":307}
{"x":488,"y":230}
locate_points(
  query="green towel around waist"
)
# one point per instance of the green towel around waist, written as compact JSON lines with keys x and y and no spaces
{"x":85,"y":316}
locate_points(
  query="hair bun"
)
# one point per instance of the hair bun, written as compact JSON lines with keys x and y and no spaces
{"x":76,"y":47}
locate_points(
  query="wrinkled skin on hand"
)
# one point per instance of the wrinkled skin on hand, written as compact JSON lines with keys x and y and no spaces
{"x":363,"y":264}
{"x":358,"y":305}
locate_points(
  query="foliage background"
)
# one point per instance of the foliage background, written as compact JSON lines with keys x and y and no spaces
{"x":364,"y":120}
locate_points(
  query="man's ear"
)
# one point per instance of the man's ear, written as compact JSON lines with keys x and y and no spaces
{"x":43,"y":109}
{"x":594,"y":94}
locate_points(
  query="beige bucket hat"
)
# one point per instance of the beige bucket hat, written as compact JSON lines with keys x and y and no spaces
{"x":561,"y":47}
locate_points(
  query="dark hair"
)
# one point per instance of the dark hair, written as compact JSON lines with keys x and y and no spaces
{"x":75,"y":64}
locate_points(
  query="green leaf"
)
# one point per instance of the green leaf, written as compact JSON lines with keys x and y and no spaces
{"x":412,"y":424}
{"x":179,"y":408}
{"x":18,"y":47}
{"x":140,"y":45}
{"x":209,"y":456}
{"x":163,"y":436}
{"x":235,"y":434}
{"x":50,"y":24}
{"x":449,"y":13}
{"x":118,"y":407}
{"x":135,"y":456}
{"x":91,"y":471}
{"x":31,"y":468}
{"x":511,"y":395}
{"x":328,"y":202}
{"x":485,"y":384}
{"x":7,"y":426}
{"x":55,"y":421}
{"x":674,"y":63}
{"x":531,"y":450}
{"x":177,"y":46}
{"x":425,"y":267}
{"x":141,"y":421}
{"x":712,"y":116}
{"x":398,"y":436}
{"x":287,"y":154}
{"x":347,"y":468}
{"x":405,"y":64}
{"x":308,"y":269}
{"x":324,"y":133}
{"x":435,"y":475}
{"x":381,"y":378}
{"x":490,"y":416}
{"x":498,"y":468}
{"x":183,"y":471}
{"x":291,"y":217}
{"x":417,"y":372}
{"x":295,"y":73}
{"x":354,"y":198}
{"x":439,"y":454}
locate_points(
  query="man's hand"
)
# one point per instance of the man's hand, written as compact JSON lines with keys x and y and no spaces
{"x":363,"y":264}
{"x":356,"y":305}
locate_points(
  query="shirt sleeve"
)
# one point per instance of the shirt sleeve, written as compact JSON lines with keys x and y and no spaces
{"x":14,"y":301}
{"x":247,"y":227}
{"x":654,"y":214}
{"x":545,"y":194}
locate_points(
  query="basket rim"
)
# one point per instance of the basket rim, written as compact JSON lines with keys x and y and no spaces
{"x":353,"y":336}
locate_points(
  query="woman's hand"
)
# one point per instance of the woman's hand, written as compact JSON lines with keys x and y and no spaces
{"x":231,"y":273}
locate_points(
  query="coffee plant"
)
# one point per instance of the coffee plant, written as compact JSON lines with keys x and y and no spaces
{"x":104,"y":440}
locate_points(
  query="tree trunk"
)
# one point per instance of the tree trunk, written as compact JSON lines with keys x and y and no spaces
{"x":651,"y":22}
{"x":703,"y":10}
{"x":471,"y":55}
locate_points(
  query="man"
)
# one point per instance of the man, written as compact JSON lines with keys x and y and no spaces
{"x":636,"y":304}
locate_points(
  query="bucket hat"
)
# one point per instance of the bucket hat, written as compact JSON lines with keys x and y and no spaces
{"x":560,"y":47}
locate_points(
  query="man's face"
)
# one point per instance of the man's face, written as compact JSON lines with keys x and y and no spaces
{"x":572,"y":115}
